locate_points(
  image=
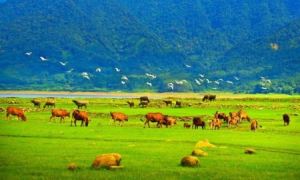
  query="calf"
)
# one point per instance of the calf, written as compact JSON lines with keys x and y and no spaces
{"x":186,"y":125}
{"x":169,"y":121}
{"x":130,"y":103}
{"x":15,"y":112}
{"x":286,"y":119}
{"x":253,"y":125}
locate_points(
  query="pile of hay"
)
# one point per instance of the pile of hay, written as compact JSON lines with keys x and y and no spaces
{"x":204,"y":143}
{"x":107,"y":161}
{"x":250,"y":151}
{"x":190,"y":161}
{"x":199,"y":152}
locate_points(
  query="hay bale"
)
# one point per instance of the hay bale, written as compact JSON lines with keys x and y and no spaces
{"x":204,"y":143}
{"x":72,"y":166}
{"x":190,"y":161}
{"x":250,"y":151}
{"x":199,"y":152}
{"x":107,"y":160}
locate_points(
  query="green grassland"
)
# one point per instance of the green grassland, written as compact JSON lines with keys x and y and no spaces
{"x":39,"y":149}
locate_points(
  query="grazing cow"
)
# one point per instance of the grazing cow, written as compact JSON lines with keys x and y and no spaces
{"x":15,"y":112}
{"x":178,"y":104}
{"x":144,"y":98}
{"x":233,"y":121}
{"x":168,"y":102}
{"x":62,"y":113}
{"x":286,"y":119}
{"x":169,"y":121}
{"x":118,"y":116}
{"x":143,"y":104}
{"x":36,"y":103}
{"x":49,"y":103}
{"x":80,"y":104}
{"x":254,"y":125}
{"x":197,"y":121}
{"x":209,"y":97}
{"x":243,"y":115}
{"x":186,"y":125}
{"x":215,"y":123}
{"x":221,"y":116}
{"x":130,"y":103}
{"x":154,"y":117}
{"x":80,"y":116}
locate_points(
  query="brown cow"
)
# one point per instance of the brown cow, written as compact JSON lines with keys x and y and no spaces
{"x":222,"y":116}
{"x":243,"y":115}
{"x":186,"y":125}
{"x":209,"y":97}
{"x":49,"y":103}
{"x":62,"y":113}
{"x":15,"y":112}
{"x":254,"y":125}
{"x":118,"y":116}
{"x":80,"y":116}
{"x":169,"y":121}
{"x":178,"y":104}
{"x":130,"y":103}
{"x":215,"y":123}
{"x":143,"y":104}
{"x":233,"y":121}
{"x":286,"y":119}
{"x":168,"y":102}
{"x":80,"y":104}
{"x":36,"y":103}
{"x":144,"y":98}
{"x":197,"y":121}
{"x":154,"y":117}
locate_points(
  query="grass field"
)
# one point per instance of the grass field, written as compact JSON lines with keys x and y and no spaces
{"x":39,"y":149}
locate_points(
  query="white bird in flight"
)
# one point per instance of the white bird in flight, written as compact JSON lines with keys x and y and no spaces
{"x":125,"y":78}
{"x":171,"y":85}
{"x":123,"y":82}
{"x":85,"y":75}
{"x":198,"y":82}
{"x":188,"y":66}
{"x":229,"y":82}
{"x":117,"y":69}
{"x":98,"y":69}
{"x":43,"y":58}
{"x":70,"y":70}
{"x":63,"y":63}
{"x":151,"y":75}
{"x":149,"y":84}
{"x":236,"y":78}
{"x":28,"y":53}
{"x":181,"y":81}
{"x":201,"y":75}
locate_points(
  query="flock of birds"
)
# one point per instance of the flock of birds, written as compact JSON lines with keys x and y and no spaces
{"x":200,"y":80}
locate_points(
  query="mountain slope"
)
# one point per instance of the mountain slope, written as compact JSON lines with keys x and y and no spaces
{"x":174,"y":40}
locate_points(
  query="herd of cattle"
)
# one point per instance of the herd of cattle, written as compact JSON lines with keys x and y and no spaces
{"x":219,"y":118}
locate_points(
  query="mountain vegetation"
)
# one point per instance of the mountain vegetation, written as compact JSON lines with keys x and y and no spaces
{"x":131,"y":45}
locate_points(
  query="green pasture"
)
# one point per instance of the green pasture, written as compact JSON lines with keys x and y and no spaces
{"x":39,"y":149}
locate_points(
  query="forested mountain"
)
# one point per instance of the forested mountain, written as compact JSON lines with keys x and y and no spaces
{"x":150,"y":45}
